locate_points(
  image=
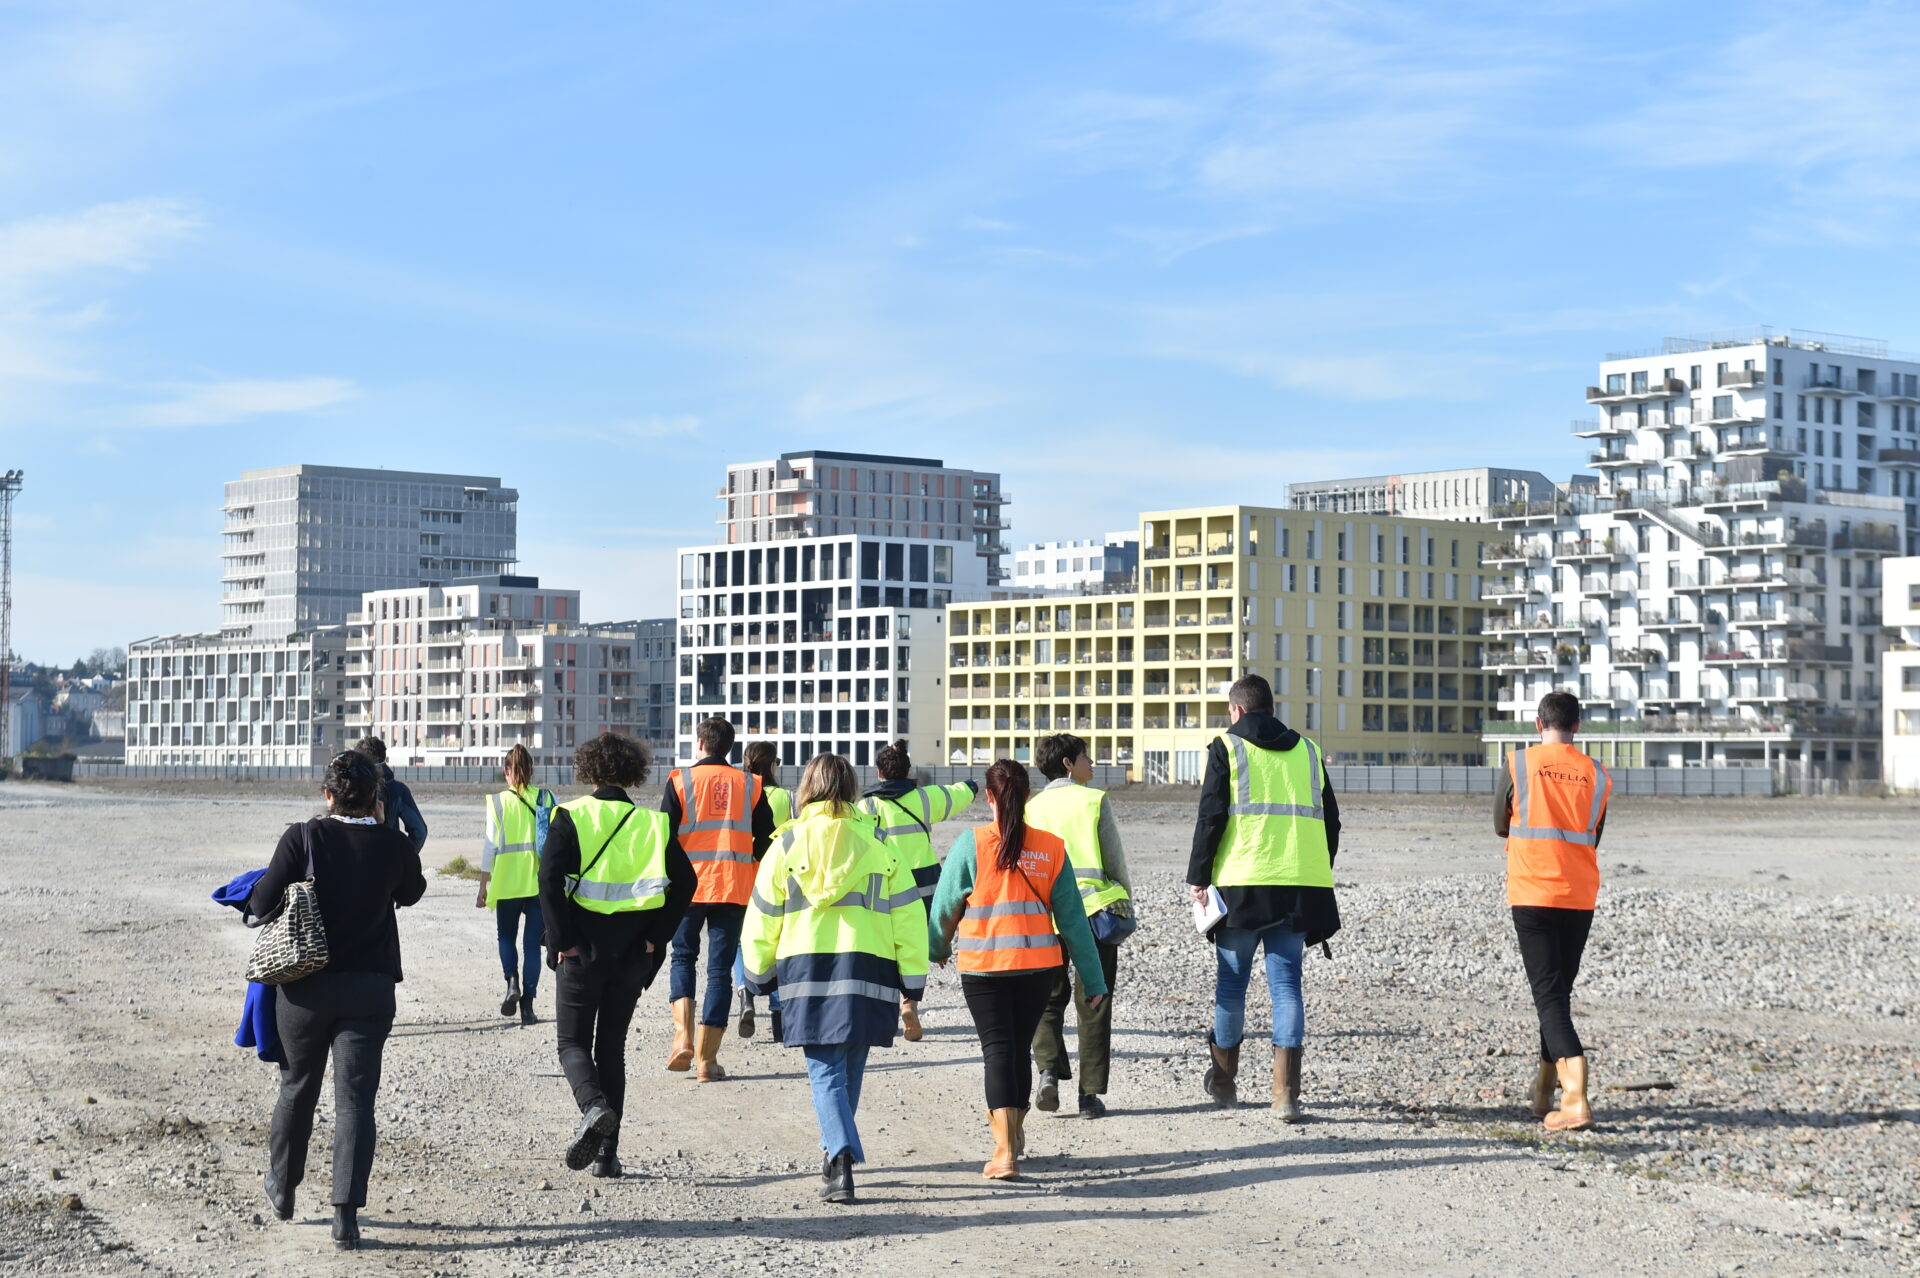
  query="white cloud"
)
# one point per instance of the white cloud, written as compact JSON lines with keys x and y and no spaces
{"x":118,"y":236}
{"x":1805,"y":116}
{"x":219,"y":403}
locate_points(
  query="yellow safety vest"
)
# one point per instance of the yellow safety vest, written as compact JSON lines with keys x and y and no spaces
{"x":1276,"y":831}
{"x":1072,"y":812}
{"x":623,"y":856}
{"x":510,"y":852}
{"x":780,"y":803}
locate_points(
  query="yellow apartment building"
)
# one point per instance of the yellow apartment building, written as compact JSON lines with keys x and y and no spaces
{"x":1369,"y":627}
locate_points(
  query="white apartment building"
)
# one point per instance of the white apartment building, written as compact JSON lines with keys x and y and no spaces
{"x":1716,"y":600}
{"x":1111,"y":563}
{"x":213,"y":700}
{"x":1900,"y":677}
{"x":456,"y":674}
{"x":819,"y":493}
{"x":304,"y":543}
{"x":1473,"y":494}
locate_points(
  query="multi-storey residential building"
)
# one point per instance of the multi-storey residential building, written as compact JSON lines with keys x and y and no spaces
{"x":1900,"y":716}
{"x":1472,"y":494}
{"x":820,"y":644}
{"x":1112,"y":563}
{"x":215,"y":700}
{"x":456,"y":674}
{"x":1369,"y":628}
{"x":654,"y":677}
{"x":825,"y":494}
{"x":304,"y":543}
{"x":1716,"y":599}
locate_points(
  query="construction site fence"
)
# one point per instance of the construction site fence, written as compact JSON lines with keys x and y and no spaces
{"x":1107,"y":778}
{"x":1419,"y":779}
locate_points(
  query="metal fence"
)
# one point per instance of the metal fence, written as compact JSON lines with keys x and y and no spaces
{"x":1722,"y":782}
{"x":1109,"y":778}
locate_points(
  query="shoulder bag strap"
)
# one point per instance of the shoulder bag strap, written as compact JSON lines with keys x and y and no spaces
{"x":581,"y":877}
{"x":924,"y":827}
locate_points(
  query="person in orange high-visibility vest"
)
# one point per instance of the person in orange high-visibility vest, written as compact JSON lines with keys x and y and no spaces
{"x":1550,"y":806}
{"x":1008,"y":905}
{"x":719,"y":814}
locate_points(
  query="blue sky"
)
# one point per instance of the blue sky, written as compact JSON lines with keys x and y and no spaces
{"x":1131,"y":255}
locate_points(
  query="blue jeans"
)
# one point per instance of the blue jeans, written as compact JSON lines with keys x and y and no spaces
{"x":1233,"y":949}
{"x":740,"y":979}
{"x":836,"y":1071}
{"x":722,"y":924}
{"x":521,"y":913}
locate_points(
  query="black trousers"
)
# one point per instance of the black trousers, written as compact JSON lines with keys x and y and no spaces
{"x":593,"y":1010}
{"x":347,"y":1014}
{"x":1551,"y":943}
{"x":1006,"y":1011}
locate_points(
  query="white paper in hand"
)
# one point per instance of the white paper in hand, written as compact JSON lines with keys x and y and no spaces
{"x":1208,"y":915}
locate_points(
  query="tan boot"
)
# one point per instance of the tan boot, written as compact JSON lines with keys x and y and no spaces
{"x":1574,"y":1114}
{"x":1019,"y":1134}
{"x":706,"y":1054}
{"x":1004,"y":1165}
{"x":1286,"y":1084}
{"x":909,"y":1021}
{"x":680,"y":1057}
{"x":1220,"y":1076}
{"x":1540,"y":1096}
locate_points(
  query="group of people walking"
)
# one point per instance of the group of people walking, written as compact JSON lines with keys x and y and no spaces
{"x":831,"y":905}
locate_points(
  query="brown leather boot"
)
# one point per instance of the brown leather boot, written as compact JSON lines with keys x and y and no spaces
{"x":1220,"y":1076}
{"x":1004,"y":1165}
{"x":1286,"y":1084}
{"x":1019,"y":1134}
{"x":706,"y":1054}
{"x":1540,"y":1095}
{"x":1574,"y":1114}
{"x":680,"y":1056}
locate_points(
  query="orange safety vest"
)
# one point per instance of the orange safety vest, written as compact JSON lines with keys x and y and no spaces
{"x":716,"y":830}
{"x":1007,"y":928}
{"x":1559,"y":796}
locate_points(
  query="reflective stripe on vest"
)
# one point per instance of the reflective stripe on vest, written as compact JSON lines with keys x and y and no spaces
{"x":1276,"y":830}
{"x":511,"y":856}
{"x":1073,"y":813}
{"x":623,"y":866}
{"x":1006,"y":927}
{"x":1553,"y":838}
{"x":716,"y":829}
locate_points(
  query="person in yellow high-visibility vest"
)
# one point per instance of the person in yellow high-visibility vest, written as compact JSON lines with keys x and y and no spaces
{"x":517,"y":822}
{"x":614,"y":885}
{"x":1070,"y":808}
{"x":1267,"y":834}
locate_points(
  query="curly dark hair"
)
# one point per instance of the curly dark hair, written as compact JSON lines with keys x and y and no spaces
{"x":893,"y":762}
{"x":354,"y":782}
{"x":1054,"y":753}
{"x":373,"y":747}
{"x":611,"y":759}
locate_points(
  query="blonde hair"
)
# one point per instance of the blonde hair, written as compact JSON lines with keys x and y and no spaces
{"x":518,"y":767}
{"x":828,"y":779}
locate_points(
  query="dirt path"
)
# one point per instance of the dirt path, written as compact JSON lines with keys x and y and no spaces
{"x":122,"y":1089}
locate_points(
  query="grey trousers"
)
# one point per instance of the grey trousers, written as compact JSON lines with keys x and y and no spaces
{"x":347,"y":1015}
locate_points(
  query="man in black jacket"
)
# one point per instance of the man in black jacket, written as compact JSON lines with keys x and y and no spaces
{"x":400,"y":811}
{"x":1272,"y":862}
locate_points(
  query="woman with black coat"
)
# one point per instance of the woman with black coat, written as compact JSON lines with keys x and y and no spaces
{"x":614,"y":886}
{"x":361,"y":871}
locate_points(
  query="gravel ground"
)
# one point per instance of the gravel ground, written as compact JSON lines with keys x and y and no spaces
{"x":1749,"y":999}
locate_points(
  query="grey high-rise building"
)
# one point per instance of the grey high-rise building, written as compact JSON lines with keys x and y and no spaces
{"x":304,"y":543}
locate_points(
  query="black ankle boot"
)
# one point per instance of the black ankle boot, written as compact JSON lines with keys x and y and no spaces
{"x":839,"y":1186}
{"x":280,"y":1196}
{"x":526,"y":1010}
{"x":598,"y":1123}
{"x":346,"y":1228}
{"x":606,"y":1163}
{"x":512,"y":1000}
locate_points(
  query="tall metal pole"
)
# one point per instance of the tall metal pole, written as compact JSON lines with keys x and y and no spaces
{"x":9,"y":485}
